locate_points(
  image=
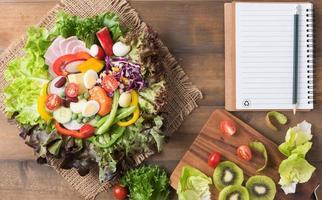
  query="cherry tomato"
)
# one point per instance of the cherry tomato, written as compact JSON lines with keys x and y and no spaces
{"x":72,"y":90}
{"x":228,"y":127}
{"x":120,"y":192}
{"x":214,"y":159}
{"x":109,"y":83}
{"x":244,"y":152}
{"x":53,"y":101}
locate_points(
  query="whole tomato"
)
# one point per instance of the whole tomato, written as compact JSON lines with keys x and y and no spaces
{"x":120,"y":192}
{"x":244,"y":152}
{"x":214,"y":159}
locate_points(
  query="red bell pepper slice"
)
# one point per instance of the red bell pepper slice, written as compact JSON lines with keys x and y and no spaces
{"x":86,"y":131}
{"x":61,"y":62}
{"x":106,"y":41}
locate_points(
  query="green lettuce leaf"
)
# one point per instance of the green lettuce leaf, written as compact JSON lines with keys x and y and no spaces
{"x":137,"y":138}
{"x":260,"y":147}
{"x":295,"y":169}
{"x":147,"y":183}
{"x":159,"y":139}
{"x":193,"y":184}
{"x":152,"y":98}
{"x":26,"y":75}
{"x":296,"y":139}
{"x":156,"y":132}
{"x":85,"y":28}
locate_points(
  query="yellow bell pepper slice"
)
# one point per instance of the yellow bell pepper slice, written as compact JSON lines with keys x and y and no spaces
{"x":136,"y":114}
{"x":43,"y":91}
{"x":41,"y":108}
{"x":91,"y":63}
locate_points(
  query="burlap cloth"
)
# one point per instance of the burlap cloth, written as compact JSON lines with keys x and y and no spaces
{"x":182,"y":95}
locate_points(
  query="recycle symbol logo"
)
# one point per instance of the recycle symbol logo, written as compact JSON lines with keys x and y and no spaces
{"x":246,"y":103}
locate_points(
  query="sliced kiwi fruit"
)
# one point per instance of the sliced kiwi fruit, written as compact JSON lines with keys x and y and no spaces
{"x":261,"y":188}
{"x":234,"y":192}
{"x":227,"y":173}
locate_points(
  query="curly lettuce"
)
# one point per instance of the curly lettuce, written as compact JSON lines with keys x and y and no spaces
{"x":147,"y":182}
{"x":25,"y":76}
{"x":152,"y":99}
{"x":142,"y":137}
{"x":85,"y":28}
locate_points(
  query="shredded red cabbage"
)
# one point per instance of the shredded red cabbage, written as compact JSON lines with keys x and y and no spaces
{"x":126,"y":70}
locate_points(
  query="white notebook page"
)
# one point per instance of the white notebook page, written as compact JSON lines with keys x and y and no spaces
{"x":264,"y":56}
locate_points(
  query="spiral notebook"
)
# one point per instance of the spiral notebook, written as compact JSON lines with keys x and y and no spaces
{"x":259,"y":56}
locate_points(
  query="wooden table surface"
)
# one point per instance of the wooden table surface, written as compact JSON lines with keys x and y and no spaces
{"x":194,"y":32}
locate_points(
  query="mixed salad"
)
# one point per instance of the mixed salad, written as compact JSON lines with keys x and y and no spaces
{"x":90,"y":92}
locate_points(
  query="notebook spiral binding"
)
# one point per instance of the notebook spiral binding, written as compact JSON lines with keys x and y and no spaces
{"x":310,"y":54}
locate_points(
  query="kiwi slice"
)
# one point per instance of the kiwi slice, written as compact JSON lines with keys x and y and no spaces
{"x":227,"y":173}
{"x":261,"y":188}
{"x":234,"y":192}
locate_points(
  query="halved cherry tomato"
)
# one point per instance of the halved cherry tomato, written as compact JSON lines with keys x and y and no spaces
{"x":109,"y":83}
{"x":53,"y":101}
{"x":228,"y":127}
{"x":61,"y":62}
{"x":72,"y":90}
{"x":120,"y":192}
{"x":214,"y":159}
{"x":244,"y":152}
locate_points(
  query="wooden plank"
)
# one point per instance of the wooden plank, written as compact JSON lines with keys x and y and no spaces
{"x":21,"y":180}
{"x":17,"y":17}
{"x":211,"y":139}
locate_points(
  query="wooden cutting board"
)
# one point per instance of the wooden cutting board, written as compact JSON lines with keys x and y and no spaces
{"x":211,"y":139}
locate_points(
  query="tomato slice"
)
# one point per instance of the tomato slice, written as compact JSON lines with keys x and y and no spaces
{"x":244,"y":152}
{"x":214,"y":159}
{"x":72,"y":90}
{"x":120,"y":192}
{"x":53,"y":101}
{"x":228,"y":127}
{"x":109,"y":83}
{"x":61,"y":62}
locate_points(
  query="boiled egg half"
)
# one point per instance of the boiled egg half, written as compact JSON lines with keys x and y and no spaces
{"x":90,"y":108}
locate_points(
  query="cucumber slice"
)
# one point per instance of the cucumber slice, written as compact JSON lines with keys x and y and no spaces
{"x":63,"y":115}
